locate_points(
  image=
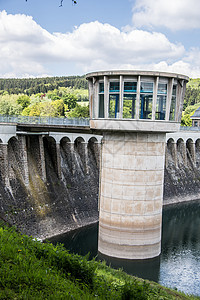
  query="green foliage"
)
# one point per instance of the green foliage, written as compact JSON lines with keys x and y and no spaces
{"x":189,"y":111}
{"x":70,"y":100}
{"x":191,"y":101}
{"x":79,"y":112}
{"x":81,"y":94}
{"x":34,"y":270}
{"x":192,"y":97}
{"x":46,"y":108}
{"x":9,"y":105}
{"x":31,"y":111}
{"x":194,"y":83}
{"x":59,"y":108}
{"x":186,"y":121}
{"x":192,"y":93}
{"x":25,"y":276}
{"x":24,"y":101}
{"x":31,"y":86}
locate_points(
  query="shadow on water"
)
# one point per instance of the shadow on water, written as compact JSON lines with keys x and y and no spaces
{"x":146,"y":269}
{"x":179,"y":263}
{"x":82,"y":240}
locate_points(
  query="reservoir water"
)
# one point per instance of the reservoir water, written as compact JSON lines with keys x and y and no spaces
{"x":179,"y":263}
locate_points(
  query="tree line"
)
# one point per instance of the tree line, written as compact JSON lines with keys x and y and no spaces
{"x":31,"y":86}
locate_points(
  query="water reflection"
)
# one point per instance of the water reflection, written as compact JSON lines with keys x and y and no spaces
{"x":80,"y":241}
{"x":180,"y":258}
{"x":179,"y":263}
{"x":147,"y":269}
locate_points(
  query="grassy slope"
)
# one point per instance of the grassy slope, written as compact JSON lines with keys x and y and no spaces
{"x":30,"y":269}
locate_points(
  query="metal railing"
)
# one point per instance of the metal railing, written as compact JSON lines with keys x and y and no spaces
{"x":44,"y":120}
{"x":62,"y":121}
{"x":189,"y":128}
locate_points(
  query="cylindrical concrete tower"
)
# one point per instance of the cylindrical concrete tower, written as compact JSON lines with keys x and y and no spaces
{"x":133,"y":110}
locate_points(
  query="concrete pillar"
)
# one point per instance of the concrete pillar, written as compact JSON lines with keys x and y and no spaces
{"x":155,"y":97}
{"x":24,"y":158}
{"x":106,"y":96}
{"x":58,"y":160}
{"x":4,"y":164}
{"x":86,"y":158}
{"x":131,"y":195}
{"x":121,"y":98}
{"x":42,"y":158}
{"x":166,"y":156}
{"x":73,"y":162}
{"x":192,"y":152}
{"x":174,"y":153}
{"x":98,"y":154}
{"x":184,"y":153}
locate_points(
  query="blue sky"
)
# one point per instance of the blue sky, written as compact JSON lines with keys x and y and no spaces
{"x":39,"y":38}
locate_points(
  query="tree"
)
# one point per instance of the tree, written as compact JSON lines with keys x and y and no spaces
{"x":79,"y":112}
{"x":24,"y":101}
{"x":32,"y":111}
{"x":186,"y":121}
{"x":59,"y":108}
{"x":189,"y":111}
{"x":9,"y":105}
{"x":70,"y":100}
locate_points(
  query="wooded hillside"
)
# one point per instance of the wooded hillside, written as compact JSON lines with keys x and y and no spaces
{"x":31,"y":86}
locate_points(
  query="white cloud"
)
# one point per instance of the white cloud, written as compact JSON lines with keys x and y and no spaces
{"x":26,"y":49}
{"x":173,"y":14}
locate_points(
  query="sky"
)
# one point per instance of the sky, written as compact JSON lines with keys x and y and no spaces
{"x":39,"y":38}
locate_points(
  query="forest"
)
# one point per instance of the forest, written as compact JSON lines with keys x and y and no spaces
{"x":50,"y":96}
{"x":67,"y":97}
{"x":31,"y":86}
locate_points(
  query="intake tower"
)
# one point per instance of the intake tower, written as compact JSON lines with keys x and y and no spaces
{"x":133,"y":110}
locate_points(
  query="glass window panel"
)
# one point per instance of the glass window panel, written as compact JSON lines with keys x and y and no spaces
{"x":129,"y":105}
{"x":146,"y":87}
{"x":113,"y":105}
{"x":173,"y":104}
{"x":101,"y":106}
{"x":101,"y":87}
{"x":146,"y":106}
{"x":114,"y":86}
{"x":161,"y":107}
{"x":130,"y":86}
{"x":174,"y":90}
{"x":162,"y":88}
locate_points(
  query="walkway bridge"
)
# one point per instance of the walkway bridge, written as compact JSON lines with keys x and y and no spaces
{"x":186,"y":140}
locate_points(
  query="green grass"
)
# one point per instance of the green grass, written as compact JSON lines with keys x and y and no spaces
{"x":30,"y":269}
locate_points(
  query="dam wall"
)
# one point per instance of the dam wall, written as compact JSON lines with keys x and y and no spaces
{"x":49,"y":182}
{"x":182,"y":167}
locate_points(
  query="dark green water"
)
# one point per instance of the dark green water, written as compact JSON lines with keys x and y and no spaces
{"x":179,"y":263}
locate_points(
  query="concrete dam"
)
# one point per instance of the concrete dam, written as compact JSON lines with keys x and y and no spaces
{"x":47,"y":188}
{"x":59,"y":177}
{"x":49,"y":181}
